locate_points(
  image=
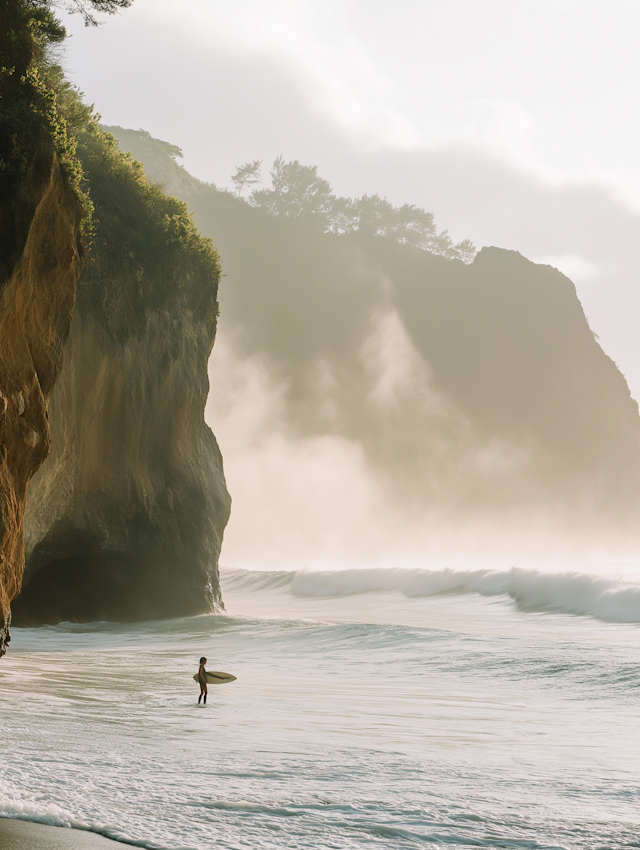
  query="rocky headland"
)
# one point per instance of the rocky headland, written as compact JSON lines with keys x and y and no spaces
{"x":125,"y":519}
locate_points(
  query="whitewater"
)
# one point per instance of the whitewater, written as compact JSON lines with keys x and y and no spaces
{"x":383,"y":707}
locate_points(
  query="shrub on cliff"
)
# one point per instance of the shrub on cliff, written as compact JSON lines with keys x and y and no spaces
{"x":34,"y":101}
{"x":144,"y":246}
{"x":31,"y":112}
{"x":139,"y":236}
{"x":28,"y":113}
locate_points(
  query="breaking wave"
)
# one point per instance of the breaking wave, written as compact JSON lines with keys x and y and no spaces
{"x":605,"y":599}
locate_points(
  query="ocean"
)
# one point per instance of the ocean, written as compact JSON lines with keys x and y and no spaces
{"x":373,"y":708}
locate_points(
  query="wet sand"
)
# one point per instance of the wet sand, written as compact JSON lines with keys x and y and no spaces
{"x":25,"y":835}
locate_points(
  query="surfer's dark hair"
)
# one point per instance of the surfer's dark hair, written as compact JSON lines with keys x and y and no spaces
{"x":202,"y":660}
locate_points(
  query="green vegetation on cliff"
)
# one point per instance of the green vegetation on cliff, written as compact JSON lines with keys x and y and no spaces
{"x":299,"y":193}
{"x":39,"y":110}
{"x":144,"y":243}
{"x":133,"y":232}
{"x":30,"y":114}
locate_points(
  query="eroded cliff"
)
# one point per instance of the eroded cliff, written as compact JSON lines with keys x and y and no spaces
{"x":40,"y":266}
{"x":125,"y":519}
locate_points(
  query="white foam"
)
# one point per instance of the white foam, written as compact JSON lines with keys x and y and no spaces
{"x":423,"y":717}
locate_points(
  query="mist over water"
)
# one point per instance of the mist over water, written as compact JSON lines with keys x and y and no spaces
{"x":379,"y":404}
{"x":423,"y":488}
{"x":375,"y":403}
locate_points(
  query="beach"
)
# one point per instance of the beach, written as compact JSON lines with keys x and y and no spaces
{"x":26,"y":835}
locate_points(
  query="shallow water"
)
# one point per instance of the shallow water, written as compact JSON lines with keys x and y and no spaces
{"x":384,"y":708}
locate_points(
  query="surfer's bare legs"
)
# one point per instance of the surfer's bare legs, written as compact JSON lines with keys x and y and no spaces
{"x":203,"y":682}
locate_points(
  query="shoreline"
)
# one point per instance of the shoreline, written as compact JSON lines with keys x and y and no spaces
{"x":17,"y":834}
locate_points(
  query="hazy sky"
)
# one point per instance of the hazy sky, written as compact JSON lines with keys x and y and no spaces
{"x":516,"y":123}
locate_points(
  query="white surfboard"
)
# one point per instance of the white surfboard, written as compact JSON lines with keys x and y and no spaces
{"x":216,"y":678}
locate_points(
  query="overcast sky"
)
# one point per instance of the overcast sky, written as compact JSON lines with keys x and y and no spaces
{"x":516,"y":123}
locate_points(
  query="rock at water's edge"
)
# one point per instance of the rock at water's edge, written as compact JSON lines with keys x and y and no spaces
{"x":125,"y":519}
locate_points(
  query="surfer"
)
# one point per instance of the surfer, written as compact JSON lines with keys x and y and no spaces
{"x":202,"y":680}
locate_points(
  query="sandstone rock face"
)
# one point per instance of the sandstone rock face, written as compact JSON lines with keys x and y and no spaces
{"x":38,"y":277}
{"x":125,"y":519}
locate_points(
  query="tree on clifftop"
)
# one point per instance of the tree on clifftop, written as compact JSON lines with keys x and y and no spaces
{"x":85,"y":7}
{"x":297,"y":191}
{"x":247,"y":175}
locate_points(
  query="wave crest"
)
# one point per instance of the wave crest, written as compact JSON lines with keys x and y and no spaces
{"x":605,"y":599}
{"x":569,"y":592}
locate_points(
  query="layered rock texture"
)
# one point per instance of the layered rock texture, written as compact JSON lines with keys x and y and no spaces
{"x":41,"y":260}
{"x":125,"y":519}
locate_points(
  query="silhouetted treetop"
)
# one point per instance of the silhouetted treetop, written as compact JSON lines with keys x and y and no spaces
{"x":87,"y":7}
{"x":297,"y":191}
{"x":247,"y":175}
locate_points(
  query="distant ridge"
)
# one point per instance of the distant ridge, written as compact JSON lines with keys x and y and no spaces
{"x":498,"y":397}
